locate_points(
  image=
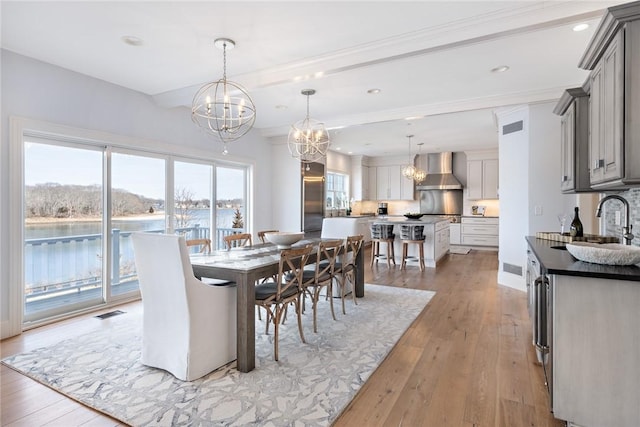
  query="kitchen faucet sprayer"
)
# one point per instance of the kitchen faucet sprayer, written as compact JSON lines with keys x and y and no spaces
{"x":626,"y":230}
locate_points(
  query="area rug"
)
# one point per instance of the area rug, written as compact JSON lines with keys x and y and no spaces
{"x":309,"y":386}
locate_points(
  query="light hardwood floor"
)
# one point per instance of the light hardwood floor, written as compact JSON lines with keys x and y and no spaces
{"x":466,"y":361}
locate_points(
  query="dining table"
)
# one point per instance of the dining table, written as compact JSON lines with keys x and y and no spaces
{"x":245,"y":266}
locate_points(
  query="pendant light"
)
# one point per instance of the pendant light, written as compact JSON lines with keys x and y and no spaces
{"x":409,"y":169}
{"x":308,"y":138}
{"x":223,"y":108}
{"x":420,"y":174}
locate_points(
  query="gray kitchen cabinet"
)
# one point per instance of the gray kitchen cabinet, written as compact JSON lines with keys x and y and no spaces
{"x":482,"y":179}
{"x":607,"y":106}
{"x":613,"y":56}
{"x":573,"y":106}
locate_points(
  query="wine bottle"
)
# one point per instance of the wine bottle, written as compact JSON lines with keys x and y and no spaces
{"x":576,"y":225}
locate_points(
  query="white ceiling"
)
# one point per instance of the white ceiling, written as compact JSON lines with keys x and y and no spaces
{"x":430,"y":59}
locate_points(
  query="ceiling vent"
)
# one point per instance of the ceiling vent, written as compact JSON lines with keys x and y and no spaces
{"x":512,"y":127}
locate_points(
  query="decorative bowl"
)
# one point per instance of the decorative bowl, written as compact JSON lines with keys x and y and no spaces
{"x":413,"y":216}
{"x":284,"y":239}
{"x":605,"y":253}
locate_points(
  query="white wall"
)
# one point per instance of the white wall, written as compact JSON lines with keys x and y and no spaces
{"x":286,"y":203}
{"x":514,"y":204}
{"x":44,"y":92}
{"x":530,"y":196}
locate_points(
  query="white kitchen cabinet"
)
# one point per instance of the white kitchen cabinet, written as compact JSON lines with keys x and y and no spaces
{"x":441,"y":240}
{"x":613,"y":56}
{"x":454,"y":234}
{"x":573,"y":106}
{"x":482,"y":179}
{"x":359,"y":178}
{"x":479,"y":231}
{"x":391,"y":184}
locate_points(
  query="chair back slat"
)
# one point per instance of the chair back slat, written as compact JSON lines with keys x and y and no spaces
{"x":291,"y":266}
{"x":328,"y":251}
{"x":352,"y":247}
{"x":263,"y":232}
{"x":205,"y":245}
{"x":237,"y":240}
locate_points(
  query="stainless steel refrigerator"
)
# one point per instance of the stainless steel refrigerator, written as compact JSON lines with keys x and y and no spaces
{"x":312,"y":199}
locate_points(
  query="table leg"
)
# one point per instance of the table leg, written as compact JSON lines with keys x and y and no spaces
{"x":246,"y":323}
{"x":360,"y":274}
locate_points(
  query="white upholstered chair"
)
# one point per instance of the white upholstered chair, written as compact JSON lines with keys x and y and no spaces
{"x":189,"y":328}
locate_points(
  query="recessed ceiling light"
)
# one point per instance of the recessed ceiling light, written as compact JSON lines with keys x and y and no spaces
{"x":132,"y":40}
{"x":319,"y":74}
{"x":338,"y":148}
{"x":413,"y":118}
{"x":500,"y":69}
{"x":580,"y":27}
{"x":373,"y":91}
{"x":281,"y":107}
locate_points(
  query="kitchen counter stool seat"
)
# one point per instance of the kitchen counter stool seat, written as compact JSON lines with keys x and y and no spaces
{"x":382,"y":233}
{"x":412,"y":234}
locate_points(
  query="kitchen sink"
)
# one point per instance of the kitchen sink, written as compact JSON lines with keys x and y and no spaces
{"x":561,"y":247}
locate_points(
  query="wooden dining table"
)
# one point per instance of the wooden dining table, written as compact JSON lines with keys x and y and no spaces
{"x":245,"y":266}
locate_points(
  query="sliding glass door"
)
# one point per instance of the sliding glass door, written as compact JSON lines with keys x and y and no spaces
{"x":82,"y":201}
{"x":231,"y":202}
{"x":137,"y":204}
{"x":63,"y":228}
{"x":192,"y":195}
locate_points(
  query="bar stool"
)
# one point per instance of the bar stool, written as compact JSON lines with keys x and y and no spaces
{"x":412,"y":234}
{"x":382,"y":233}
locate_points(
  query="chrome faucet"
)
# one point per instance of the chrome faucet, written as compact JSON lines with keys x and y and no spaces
{"x":626,"y":230}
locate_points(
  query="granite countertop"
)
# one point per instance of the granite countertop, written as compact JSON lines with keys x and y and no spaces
{"x":561,"y":262}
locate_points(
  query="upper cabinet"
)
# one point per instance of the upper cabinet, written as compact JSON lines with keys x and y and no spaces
{"x":376,"y":178}
{"x":392,"y":185}
{"x":613,"y":56}
{"x":360,"y":178}
{"x":482,"y":175}
{"x":574,"y":154}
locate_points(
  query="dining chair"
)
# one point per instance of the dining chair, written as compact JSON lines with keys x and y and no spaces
{"x":274,"y":297}
{"x":237,"y":240}
{"x":188,"y":328}
{"x":345,"y":270}
{"x":322,"y":276}
{"x":205,"y":248}
{"x":205,"y":245}
{"x":261,"y":235}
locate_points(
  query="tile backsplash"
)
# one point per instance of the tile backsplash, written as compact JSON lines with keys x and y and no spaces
{"x":609,"y":214}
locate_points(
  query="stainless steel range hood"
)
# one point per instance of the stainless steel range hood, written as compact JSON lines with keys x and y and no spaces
{"x":439,"y":173}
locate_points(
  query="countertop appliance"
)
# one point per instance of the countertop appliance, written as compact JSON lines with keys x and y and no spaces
{"x":312,"y":198}
{"x":383,"y":209}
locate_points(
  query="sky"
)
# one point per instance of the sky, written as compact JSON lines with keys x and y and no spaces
{"x":140,"y":175}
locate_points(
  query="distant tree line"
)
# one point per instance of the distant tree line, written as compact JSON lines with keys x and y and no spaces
{"x":53,"y":200}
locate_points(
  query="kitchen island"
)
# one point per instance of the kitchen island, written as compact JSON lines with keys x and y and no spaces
{"x":589,"y":330}
{"x":436,"y":242}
